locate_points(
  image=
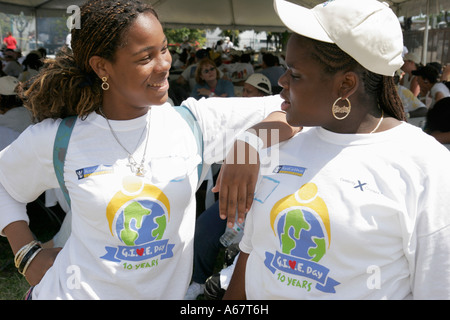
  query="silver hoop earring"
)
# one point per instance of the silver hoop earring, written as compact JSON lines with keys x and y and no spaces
{"x":344,"y":109}
{"x":105,"y":84}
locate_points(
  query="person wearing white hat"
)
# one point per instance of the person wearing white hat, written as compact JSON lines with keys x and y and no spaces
{"x":356,"y":207}
{"x":7,"y":97}
{"x":13,"y":114}
{"x":411,"y":63}
{"x":257,"y":85}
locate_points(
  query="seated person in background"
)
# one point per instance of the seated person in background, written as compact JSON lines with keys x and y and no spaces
{"x":438,"y":121}
{"x":7,"y":136}
{"x":412,"y":62}
{"x":413,"y":106}
{"x":240,"y":69}
{"x":187,"y":78}
{"x":209,"y":83}
{"x":430,"y":87}
{"x":272,"y":70}
{"x":12,"y":65}
{"x":257,"y":85}
{"x":13,"y":114}
{"x":31,"y":64}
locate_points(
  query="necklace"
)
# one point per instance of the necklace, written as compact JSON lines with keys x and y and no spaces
{"x":137,"y":169}
{"x":379,"y":122}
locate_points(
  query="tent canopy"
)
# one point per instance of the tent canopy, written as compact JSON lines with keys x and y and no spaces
{"x":226,"y":14}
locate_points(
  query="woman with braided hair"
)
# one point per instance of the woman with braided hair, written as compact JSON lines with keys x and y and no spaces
{"x":357,"y":207}
{"x":131,"y":165}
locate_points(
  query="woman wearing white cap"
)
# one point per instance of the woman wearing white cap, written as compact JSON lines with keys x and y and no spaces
{"x":357,"y":206}
{"x":257,"y":85}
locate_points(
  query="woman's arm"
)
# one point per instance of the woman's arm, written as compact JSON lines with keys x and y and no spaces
{"x":14,"y":226}
{"x":19,"y":235}
{"x":239,"y":172}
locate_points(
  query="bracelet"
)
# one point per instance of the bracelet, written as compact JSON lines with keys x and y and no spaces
{"x":30,"y":260}
{"x":252,"y":139}
{"x":25,"y":255}
{"x":22,"y":252}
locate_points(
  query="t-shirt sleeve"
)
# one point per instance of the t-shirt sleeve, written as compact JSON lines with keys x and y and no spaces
{"x":222,"y":119}
{"x":431,"y":275}
{"x":26,"y":166}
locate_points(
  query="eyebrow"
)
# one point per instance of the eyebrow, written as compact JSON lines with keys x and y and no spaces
{"x":149,"y":48}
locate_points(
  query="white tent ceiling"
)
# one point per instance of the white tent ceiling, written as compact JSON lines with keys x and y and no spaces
{"x":228,"y":14}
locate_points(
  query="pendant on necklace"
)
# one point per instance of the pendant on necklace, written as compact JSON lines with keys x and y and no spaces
{"x":138,"y":170}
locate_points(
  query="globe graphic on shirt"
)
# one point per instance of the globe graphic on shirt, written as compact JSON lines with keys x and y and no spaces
{"x":301,"y":235}
{"x":301,"y":223}
{"x":139,"y":222}
{"x":138,"y":214}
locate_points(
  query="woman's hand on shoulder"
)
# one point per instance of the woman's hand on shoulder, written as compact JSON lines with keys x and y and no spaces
{"x":236,"y":182}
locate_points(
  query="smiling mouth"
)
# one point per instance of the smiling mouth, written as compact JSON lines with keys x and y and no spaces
{"x":159,"y":84}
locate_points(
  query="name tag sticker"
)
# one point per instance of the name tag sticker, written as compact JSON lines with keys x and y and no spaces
{"x":297,"y":171}
{"x":94,"y":171}
{"x":266,"y":188}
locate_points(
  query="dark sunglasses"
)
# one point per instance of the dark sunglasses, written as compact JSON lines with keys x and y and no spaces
{"x":208,"y":70}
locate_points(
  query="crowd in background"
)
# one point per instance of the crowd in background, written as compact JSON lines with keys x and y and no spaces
{"x":222,"y":71}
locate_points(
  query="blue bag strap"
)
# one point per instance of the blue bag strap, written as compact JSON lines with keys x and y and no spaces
{"x":60,"y":150}
{"x":193,"y":124}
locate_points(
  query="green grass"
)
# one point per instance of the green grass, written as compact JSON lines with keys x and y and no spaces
{"x":13,"y":285}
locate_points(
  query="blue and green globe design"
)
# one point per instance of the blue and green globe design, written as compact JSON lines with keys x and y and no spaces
{"x":301,"y":235}
{"x":301,"y":223}
{"x":140,"y":222}
{"x":138,"y":216}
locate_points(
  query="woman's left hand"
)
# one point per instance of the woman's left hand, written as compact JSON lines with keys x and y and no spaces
{"x":236,"y":182}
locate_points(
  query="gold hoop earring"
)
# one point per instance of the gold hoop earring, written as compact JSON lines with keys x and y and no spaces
{"x":105,"y":84}
{"x":344,"y":109}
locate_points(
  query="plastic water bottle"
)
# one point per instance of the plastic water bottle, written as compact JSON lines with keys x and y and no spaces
{"x":234,"y":234}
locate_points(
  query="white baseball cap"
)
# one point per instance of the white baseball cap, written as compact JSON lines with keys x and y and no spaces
{"x":7,"y":85}
{"x":367,"y":30}
{"x":260,"y":82}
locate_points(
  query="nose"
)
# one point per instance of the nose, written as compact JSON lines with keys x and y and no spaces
{"x":164,"y":62}
{"x":283,"y":80}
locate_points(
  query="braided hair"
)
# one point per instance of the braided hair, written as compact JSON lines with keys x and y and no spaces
{"x":67,"y":85}
{"x":382,"y":88}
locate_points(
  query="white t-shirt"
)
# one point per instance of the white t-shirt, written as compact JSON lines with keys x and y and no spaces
{"x":351,"y":217}
{"x":132,"y":238}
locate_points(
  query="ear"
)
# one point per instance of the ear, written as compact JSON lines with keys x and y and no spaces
{"x":100,"y":66}
{"x":349,"y":84}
